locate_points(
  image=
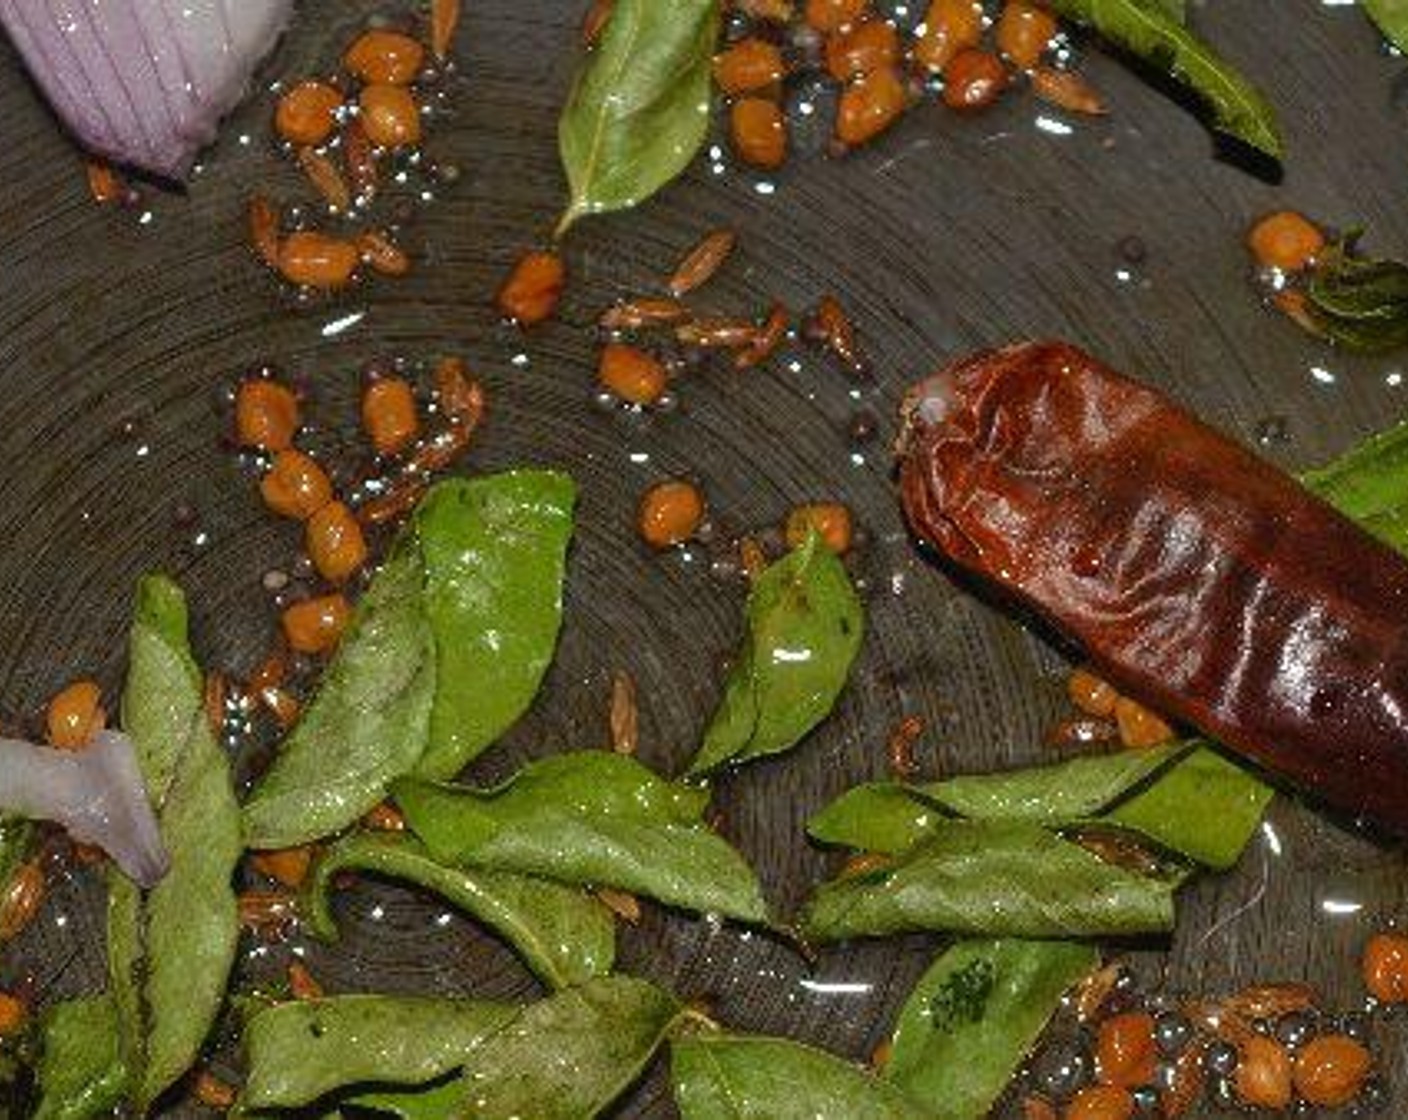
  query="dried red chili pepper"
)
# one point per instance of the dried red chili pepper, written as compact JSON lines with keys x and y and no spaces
{"x":1199,"y":578}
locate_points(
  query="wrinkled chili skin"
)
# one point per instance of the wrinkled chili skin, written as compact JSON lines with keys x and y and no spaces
{"x":1196,"y":576}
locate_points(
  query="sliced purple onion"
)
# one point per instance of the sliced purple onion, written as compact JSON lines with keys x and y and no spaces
{"x":97,"y":794}
{"x":144,"y":82}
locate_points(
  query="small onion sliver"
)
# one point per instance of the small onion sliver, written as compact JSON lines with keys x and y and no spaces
{"x":97,"y":794}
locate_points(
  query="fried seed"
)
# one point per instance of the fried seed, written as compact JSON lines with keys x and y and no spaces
{"x":698,"y":266}
{"x":726,"y":334}
{"x":444,"y":18}
{"x":327,"y":180}
{"x":766,"y":340}
{"x":633,"y":314}
{"x":900,"y":748}
{"x":625,"y":715}
{"x":264,"y":230}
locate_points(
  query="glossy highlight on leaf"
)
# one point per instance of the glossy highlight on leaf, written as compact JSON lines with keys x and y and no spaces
{"x":751,"y":1077}
{"x":974,"y":1016}
{"x":992,"y":878}
{"x":80,"y":1071}
{"x":591,"y":818}
{"x":1154,"y":32}
{"x":565,"y":935}
{"x":640,"y":108}
{"x":804,"y":628}
{"x":445,"y":651}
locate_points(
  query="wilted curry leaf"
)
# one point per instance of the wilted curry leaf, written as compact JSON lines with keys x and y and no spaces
{"x":992,"y":878}
{"x":591,"y":818}
{"x":80,"y":1072}
{"x":804,"y":627}
{"x":564,"y":934}
{"x":973,"y":1017}
{"x":175,"y":945}
{"x":445,"y":651}
{"x":640,"y":109}
{"x":1151,"y":30}
{"x":748,"y":1077}
{"x":1391,"y":16}
{"x":1359,"y":302}
{"x":1369,"y":484}
{"x":300,"y":1052}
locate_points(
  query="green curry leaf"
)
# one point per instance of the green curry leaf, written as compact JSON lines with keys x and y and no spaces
{"x":640,"y":109}
{"x":1359,"y":302}
{"x":80,"y":1071}
{"x":974,"y":1016}
{"x":992,"y":878}
{"x":1391,"y":16}
{"x":591,"y":818}
{"x":1369,"y":484}
{"x":746,"y":1077}
{"x":445,"y":651}
{"x":564,"y":934}
{"x":1150,"y":30}
{"x":804,"y":625}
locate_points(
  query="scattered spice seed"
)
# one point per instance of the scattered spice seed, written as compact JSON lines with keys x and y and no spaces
{"x":335,"y":542}
{"x":461,"y":397}
{"x":727,"y":334}
{"x":866,"y":47}
{"x":1296,"y":308}
{"x":1385,"y":967}
{"x":1186,"y":1083}
{"x":1066,"y":90}
{"x":295,"y":486}
{"x":1024,"y":31}
{"x":770,"y":11}
{"x":880,"y":1056}
{"x":624,"y":906}
{"x":973,"y":79}
{"x":288,"y":866}
{"x":670,"y":513}
{"x":211,"y":1092}
{"x":830,"y":326}
{"x":531,"y":293}
{"x":758,"y":131}
{"x":870,"y":105}
{"x":271,"y":672}
{"x":1138,"y":726}
{"x":269,"y":915}
{"x":444,"y":18}
{"x":831,"y":520}
{"x":827,"y":16}
{"x":384,"y":57}
{"x":361,"y":160}
{"x":900,"y":747}
{"x":751,"y":558}
{"x":266,"y":414}
{"x":1038,"y":1108}
{"x":389,"y":115}
{"x":594,"y":22}
{"x":1125,"y":1054}
{"x":625,"y":715}
{"x":748,"y":65}
{"x":389,"y":414}
{"x":282,"y":705}
{"x":1330,"y":1070}
{"x":14,"y":1015}
{"x":1101,"y":1102}
{"x":264,"y":230}
{"x":307,"y":113}
{"x":384,"y":817}
{"x":1271,"y":1001}
{"x":1082,"y":732}
{"x":633,"y":314}
{"x":699,"y":265}
{"x":1095,"y":989}
{"x":103,"y":184}
{"x":301,"y":984}
{"x":864,"y":863}
{"x":22,"y":899}
{"x":634,"y":375}
{"x":315,"y":626}
{"x":1263,"y":1075}
{"x":766,"y":339}
{"x":327,"y":180}
{"x":75,"y":715}
{"x":382,"y":254}
{"x":214,"y":698}
{"x":1091,"y":694}
{"x":949,"y":26}
{"x":1286,"y":240}
{"x":315,"y":260}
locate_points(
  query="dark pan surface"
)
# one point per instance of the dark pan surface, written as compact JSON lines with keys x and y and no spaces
{"x":117,"y":338}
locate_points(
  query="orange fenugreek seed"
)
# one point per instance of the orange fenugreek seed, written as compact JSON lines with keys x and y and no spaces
{"x":1024,"y":31}
{"x":301,"y":983}
{"x":315,"y":625}
{"x":383,"y":254}
{"x":749,"y":65}
{"x":1100,"y":1102}
{"x":384,"y":57}
{"x":389,"y":414}
{"x":210,"y":1091}
{"x":631,"y":373}
{"x":950,"y":26}
{"x":296,"y":486}
{"x":75,"y":715}
{"x":315,"y":260}
{"x":307,"y":113}
{"x":1285,"y":240}
{"x":266,"y":415}
{"x":335,"y":542}
{"x":1091,"y":694}
{"x":827,"y":16}
{"x":14,"y":1014}
{"x":288,"y":866}
{"x":444,"y":18}
{"x":1263,"y":1077}
{"x":390,"y":116}
{"x":670,"y":512}
{"x":830,"y":520}
{"x":1385,"y":967}
{"x":870,"y":105}
{"x":22,"y":899}
{"x":758,"y":131}
{"x":862,"y":48}
{"x":532,"y":290}
{"x":1139,"y":727}
{"x":1125,"y":1053}
{"x":973,"y":79}
{"x":1330,"y":1070}
{"x":1066,"y":90}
